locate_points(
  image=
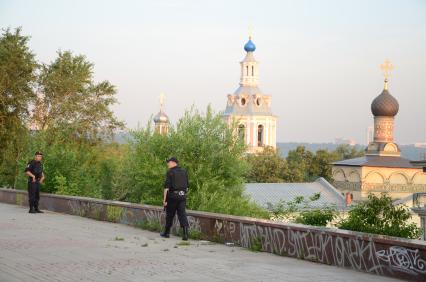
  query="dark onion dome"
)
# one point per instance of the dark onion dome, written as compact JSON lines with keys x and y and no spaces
{"x":385,"y":105}
{"x":249,"y":47}
{"x":161,"y":117}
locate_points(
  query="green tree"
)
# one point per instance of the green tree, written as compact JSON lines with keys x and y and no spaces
{"x":321,"y":165}
{"x":74,"y":117}
{"x":73,"y":103}
{"x":299,"y":162}
{"x":266,"y":167}
{"x":345,"y":151}
{"x":378,"y":215}
{"x":207,"y":148}
{"x":303,"y":165}
{"x":17,"y":78}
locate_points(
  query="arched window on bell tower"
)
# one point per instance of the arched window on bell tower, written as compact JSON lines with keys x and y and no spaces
{"x":260,"y":135}
{"x":252,"y":70}
{"x":247,"y":70}
{"x":242,"y":132}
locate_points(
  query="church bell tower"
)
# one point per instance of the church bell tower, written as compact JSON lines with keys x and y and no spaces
{"x":250,"y":108}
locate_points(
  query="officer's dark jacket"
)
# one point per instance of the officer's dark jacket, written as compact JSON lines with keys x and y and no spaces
{"x":176,"y":179}
{"x":35,"y":168}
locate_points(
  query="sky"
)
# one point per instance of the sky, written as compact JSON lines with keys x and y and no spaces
{"x":319,"y":60}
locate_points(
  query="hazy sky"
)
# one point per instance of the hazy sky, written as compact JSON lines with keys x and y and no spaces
{"x":318,"y":59}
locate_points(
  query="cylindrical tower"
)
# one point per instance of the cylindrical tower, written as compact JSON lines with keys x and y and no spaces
{"x":384,"y":108}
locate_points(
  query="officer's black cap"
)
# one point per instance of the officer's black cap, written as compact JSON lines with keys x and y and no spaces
{"x":38,"y":153}
{"x":172,"y":159}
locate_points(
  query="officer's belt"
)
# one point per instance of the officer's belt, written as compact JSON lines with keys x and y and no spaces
{"x":178,"y":191}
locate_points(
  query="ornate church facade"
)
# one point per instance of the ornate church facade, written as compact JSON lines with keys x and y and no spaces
{"x":250,"y":109}
{"x":382,"y":169}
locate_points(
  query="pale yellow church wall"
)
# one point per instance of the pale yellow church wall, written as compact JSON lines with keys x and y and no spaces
{"x":419,"y":178}
{"x":338,"y":174}
{"x":347,"y":180}
{"x":360,"y":181}
{"x":374,"y":177}
{"x":346,"y":173}
{"x":353,"y":176}
{"x":251,"y":124}
{"x":391,"y":175}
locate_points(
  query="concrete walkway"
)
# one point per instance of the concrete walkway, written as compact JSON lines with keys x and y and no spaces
{"x":57,"y":247}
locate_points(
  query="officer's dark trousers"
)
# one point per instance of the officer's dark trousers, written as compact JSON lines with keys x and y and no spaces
{"x":176,"y":203}
{"x":33,"y":194}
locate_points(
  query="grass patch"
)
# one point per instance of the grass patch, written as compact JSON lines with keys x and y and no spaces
{"x":114,"y":213}
{"x":151,"y":225}
{"x":195,"y":234}
{"x":183,"y":243}
{"x":117,"y":238}
{"x":256,"y":244}
{"x":19,"y":199}
{"x":192,"y":234}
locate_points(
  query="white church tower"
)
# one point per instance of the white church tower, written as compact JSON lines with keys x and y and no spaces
{"x":250,"y":108}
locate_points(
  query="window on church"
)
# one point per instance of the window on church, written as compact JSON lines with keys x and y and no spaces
{"x":242,"y":132}
{"x":259,"y":101}
{"x":260,"y":135}
{"x":252,"y":70}
{"x":247,"y":70}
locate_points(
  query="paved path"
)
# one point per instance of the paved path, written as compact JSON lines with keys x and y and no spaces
{"x":57,"y":247}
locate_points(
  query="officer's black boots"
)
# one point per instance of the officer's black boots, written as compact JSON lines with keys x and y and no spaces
{"x":32,"y":210}
{"x":165,"y":233}
{"x":185,"y":233}
{"x":37,"y":210}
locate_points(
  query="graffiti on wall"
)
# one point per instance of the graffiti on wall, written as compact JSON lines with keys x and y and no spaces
{"x":402,"y":259}
{"x":86,"y":209}
{"x":357,"y":252}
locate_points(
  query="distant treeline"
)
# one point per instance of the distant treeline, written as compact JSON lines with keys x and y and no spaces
{"x":407,"y":151}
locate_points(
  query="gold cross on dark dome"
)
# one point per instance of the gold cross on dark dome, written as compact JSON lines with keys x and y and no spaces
{"x":386,"y":67}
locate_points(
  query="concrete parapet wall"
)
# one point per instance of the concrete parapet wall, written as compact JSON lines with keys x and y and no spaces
{"x":381,"y":255}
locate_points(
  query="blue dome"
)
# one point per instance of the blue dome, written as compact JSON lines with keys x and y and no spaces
{"x":249,"y":47}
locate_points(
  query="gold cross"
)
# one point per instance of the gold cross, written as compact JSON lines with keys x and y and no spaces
{"x":386,"y":68}
{"x":250,"y":31}
{"x":161,"y":100}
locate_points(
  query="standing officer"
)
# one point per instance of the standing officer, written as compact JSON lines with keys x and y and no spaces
{"x":34,"y":170}
{"x":174,"y":199}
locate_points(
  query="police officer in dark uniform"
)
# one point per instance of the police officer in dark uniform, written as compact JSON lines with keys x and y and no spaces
{"x":174,"y":199}
{"x":34,"y":170}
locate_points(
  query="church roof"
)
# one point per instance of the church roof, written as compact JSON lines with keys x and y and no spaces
{"x":377,"y":161}
{"x":161,"y":117}
{"x":263,"y":193}
{"x":251,"y":106}
{"x":385,"y":105}
{"x":249,"y":46}
{"x":249,"y":58}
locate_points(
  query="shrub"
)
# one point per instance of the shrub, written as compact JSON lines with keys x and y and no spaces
{"x":316,"y":217}
{"x":379,"y":216}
